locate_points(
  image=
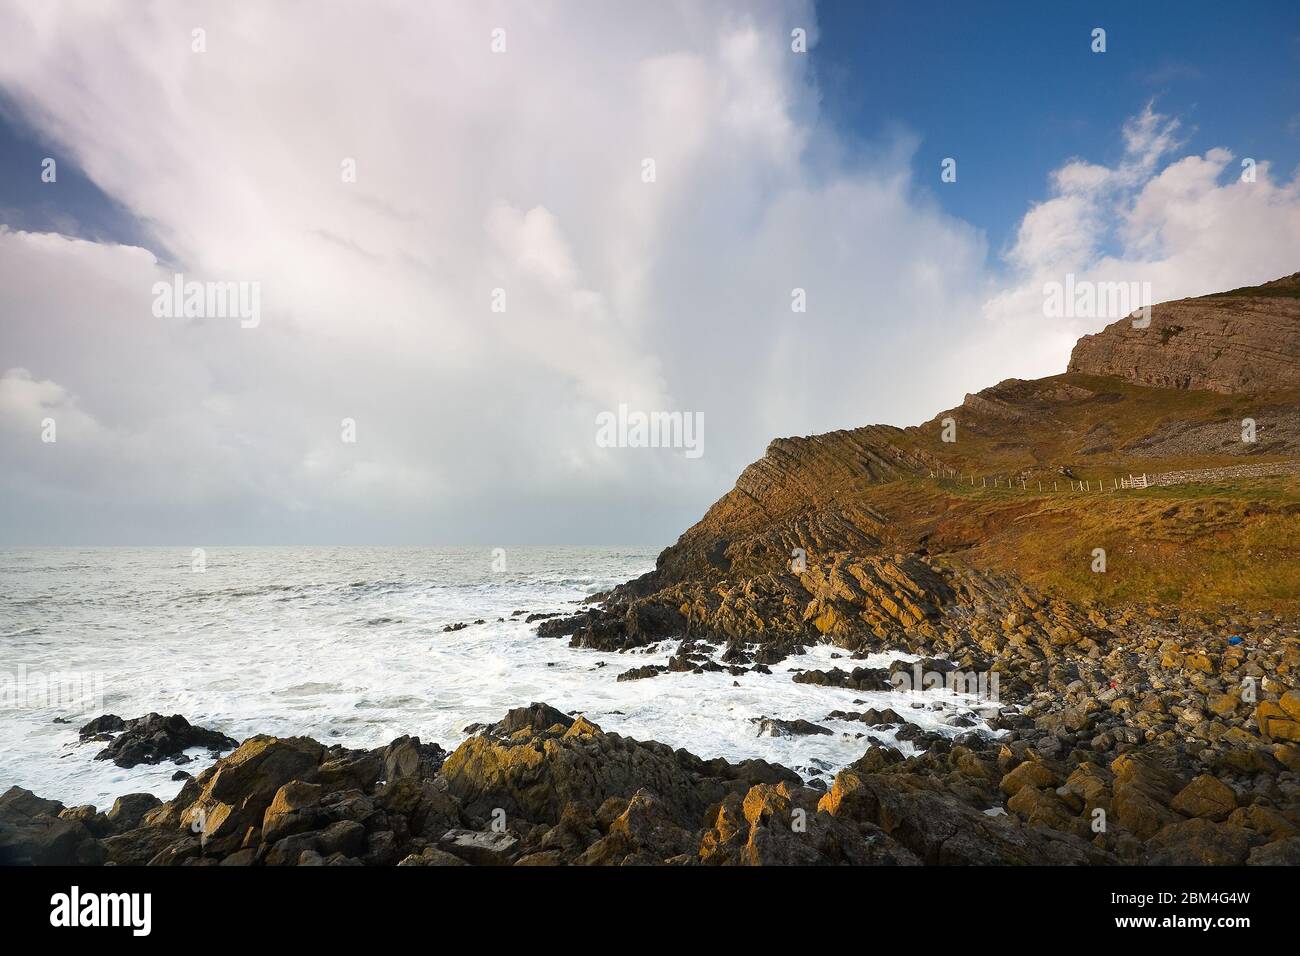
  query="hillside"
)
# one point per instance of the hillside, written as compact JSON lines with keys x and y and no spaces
{"x":1021,"y":447}
{"x":872,"y":533}
{"x":1135,"y":637}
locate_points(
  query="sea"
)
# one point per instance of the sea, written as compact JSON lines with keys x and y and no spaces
{"x":348,"y":645}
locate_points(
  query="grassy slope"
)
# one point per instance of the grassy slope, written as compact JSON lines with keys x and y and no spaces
{"x":1193,"y":545}
{"x":1077,"y":433}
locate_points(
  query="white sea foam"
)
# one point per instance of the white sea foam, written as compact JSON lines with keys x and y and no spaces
{"x":347,"y":646}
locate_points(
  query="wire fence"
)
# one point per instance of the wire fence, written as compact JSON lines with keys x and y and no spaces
{"x":1068,"y":483}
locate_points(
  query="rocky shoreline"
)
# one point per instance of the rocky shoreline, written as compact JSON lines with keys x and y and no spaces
{"x":1072,"y":780}
{"x":1113,"y":729}
{"x":1138,"y":735}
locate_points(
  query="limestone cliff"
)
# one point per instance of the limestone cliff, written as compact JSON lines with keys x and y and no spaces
{"x":1246,"y":340}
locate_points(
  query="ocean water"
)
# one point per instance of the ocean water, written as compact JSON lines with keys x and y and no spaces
{"x":347,"y":645}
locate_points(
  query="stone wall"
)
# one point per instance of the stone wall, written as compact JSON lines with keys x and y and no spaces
{"x":1261,"y":470}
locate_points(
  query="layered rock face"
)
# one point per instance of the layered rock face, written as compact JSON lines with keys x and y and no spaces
{"x":1247,"y":340}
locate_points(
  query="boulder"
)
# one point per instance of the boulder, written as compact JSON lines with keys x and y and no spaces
{"x":94,"y":821}
{"x":773,"y":727}
{"x":1200,"y":842}
{"x":1031,"y":773}
{"x":536,"y":774}
{"x":239,"y":789}
{"x":1206,"y":796}
{"x":33,"y":834}
{"x":1143,"y":791}
{"x":128,"y":811}
{"x":1277,"y":722}
{"x":1279,"y":853}
{"x":779,"y":825}
{"x":407,"y":757}
{"x":481,"y":847}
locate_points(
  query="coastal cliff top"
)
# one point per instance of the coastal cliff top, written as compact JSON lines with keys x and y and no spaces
{"x":1243,"y":340}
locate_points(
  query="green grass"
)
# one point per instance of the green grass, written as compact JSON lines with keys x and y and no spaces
{"x":1089,"y":436}
{"x":1195,"y":546}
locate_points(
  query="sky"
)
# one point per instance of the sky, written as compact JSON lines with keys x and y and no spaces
{"x":561,"y":209}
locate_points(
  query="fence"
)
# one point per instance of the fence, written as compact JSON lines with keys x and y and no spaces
{"x":1262,"y":470}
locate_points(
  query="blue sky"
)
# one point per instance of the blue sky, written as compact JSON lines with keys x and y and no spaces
{"x":1011,"y":90}
{"x":76,"y":207}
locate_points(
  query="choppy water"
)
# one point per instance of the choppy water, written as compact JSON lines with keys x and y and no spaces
{"x":346,"y":645}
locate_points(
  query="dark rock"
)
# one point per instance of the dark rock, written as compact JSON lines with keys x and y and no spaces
{"x":481,"y":848}
{"x":153,"y":738}
{"x":105,"y":724}
{"x":127,"y":811}
{"x":407,"y":757}
{"x":33,"y":834}
{"x":773,"y":727}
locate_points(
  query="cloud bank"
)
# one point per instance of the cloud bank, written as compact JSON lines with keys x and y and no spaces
{"x":501,"y":271}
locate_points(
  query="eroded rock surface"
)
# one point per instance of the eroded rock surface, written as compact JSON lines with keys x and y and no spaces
{"x":1240,"y":341}
{"x":541,"y":787}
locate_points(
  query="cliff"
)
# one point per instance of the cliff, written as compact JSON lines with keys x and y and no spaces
{"x":1246,"y":340}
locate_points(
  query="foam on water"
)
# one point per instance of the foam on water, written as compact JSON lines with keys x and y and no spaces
{"x":346,"y":645}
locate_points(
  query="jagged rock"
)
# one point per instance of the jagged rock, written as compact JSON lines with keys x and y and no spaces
{"x":1031,"y":773}
{"x":105,"y":724}
{"x":153,"y":738}
{"x":1200,"y":842}
{"x":773,"y":727}
{"x":241,"y":786}
{"x":1268,"y":822}
{"x":535,"y":718}
{"x":127,"y":812}
{"x":538,"y":776}
{"x":779,"y":825}
{"x":861,"y":678}
{"x":1279,"y":720}
{"x":1281,"y":853}
{"x":643,"y":672}
{"x":481,"y":848}
{"x":88,"y":816}
{"x":32,"y":833}
{"x":1240,"y":341}
{"x":645,"y":832}
{"x":407,"y":757}
{"x":940,"y":829}
{"x":1142,"y":794}
{"x":1205,"y":797}
{"x":432,"y":856}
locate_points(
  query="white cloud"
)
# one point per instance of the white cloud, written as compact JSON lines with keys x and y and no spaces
{"x":1186,"y":225}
